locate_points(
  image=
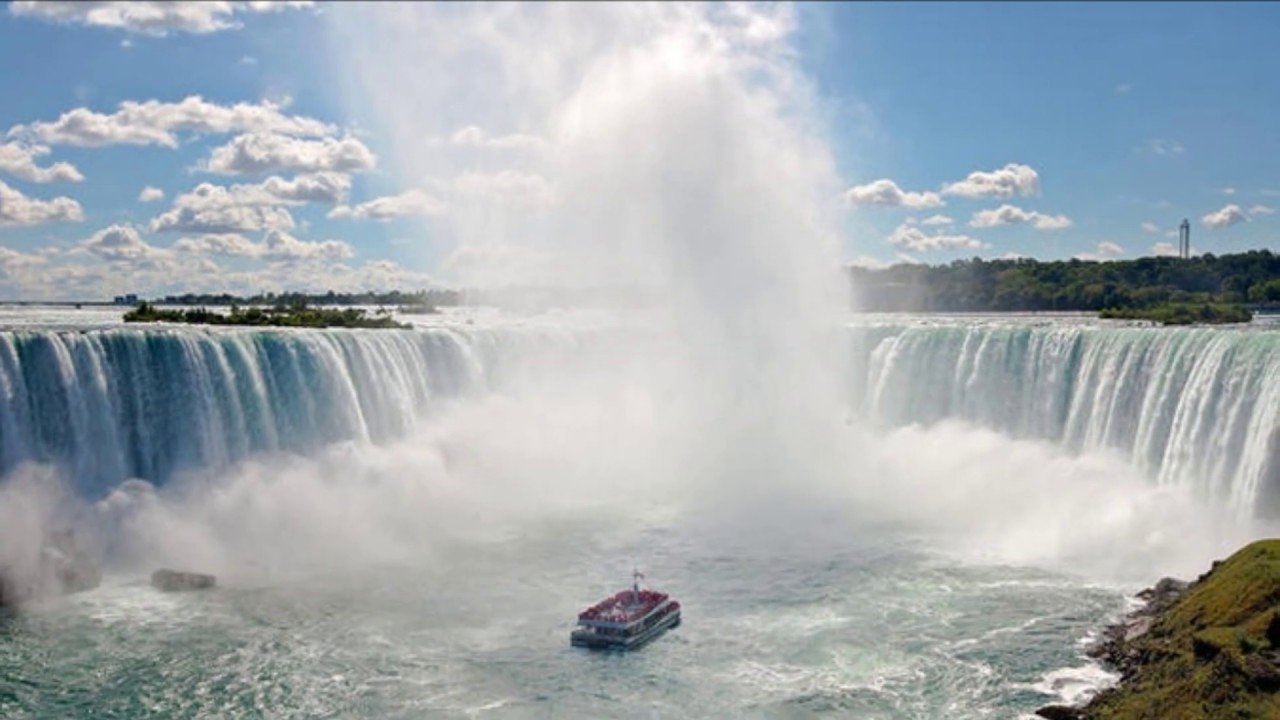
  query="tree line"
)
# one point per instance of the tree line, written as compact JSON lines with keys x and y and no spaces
{"x":417,"y":299}
{"x":1025,"y":284}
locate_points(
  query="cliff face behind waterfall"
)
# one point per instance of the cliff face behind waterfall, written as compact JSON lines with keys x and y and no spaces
{"x":1198,"y":407}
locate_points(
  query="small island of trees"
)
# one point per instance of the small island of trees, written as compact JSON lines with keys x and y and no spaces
{"x":295,"y":315}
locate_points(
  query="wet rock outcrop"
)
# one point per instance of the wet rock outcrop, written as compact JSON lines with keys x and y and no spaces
{"x":179,"y":581}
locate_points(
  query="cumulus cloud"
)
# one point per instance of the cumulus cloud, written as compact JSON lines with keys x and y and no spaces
{"x":472,"y":136}
{"x":122,"y":244}
{"x":322,"y":187}
{"x":275,"y":246}
{"x":914,"y":239}
{"x":1257,"y":210}
{"x":1150,"y":227}
{"x":886,"y":193}
{"x":1164,"y":249}
{"x":409,"y":203}
{"x":18,"y":209}
{"x":1012,"y":179}
{"x":148,"y":18}
{"x":14,"y":263}
{"x":1011,"y":214}
{"x":210,"y":208}
{"x":1227,"y":216}
{"x":933,"y":220}
{"x":265,"y":152}
{"x":19,"y":160}
{"x":150,"y":194}
{"x":157,"y":123}
{"x":1106,"y":250}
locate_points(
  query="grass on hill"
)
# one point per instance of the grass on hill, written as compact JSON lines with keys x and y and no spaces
{"x":1214,"y":654}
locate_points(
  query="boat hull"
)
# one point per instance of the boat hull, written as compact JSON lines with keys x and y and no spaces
{"x":585,"y":638}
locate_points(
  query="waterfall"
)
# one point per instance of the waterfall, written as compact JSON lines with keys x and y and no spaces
{"x":1197,"y":407}
{"x":108,"y":405}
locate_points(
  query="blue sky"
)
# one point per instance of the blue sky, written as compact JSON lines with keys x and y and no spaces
{"x":1129,"y":113}
{"x":1044,"y":130}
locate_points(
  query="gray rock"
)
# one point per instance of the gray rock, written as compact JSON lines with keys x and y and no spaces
{"x":1060,"y":712}
{"x":177,"y":581}
{"x":1136,"y":628}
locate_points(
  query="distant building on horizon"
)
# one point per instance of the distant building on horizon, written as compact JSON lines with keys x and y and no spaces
{"x":1184,"y":239}
{"x":130,"y":299}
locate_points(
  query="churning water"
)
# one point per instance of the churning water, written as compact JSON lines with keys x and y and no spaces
{"x":405,"y":523}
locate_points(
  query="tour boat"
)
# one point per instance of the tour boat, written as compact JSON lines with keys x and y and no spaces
{"x":627,"y":620}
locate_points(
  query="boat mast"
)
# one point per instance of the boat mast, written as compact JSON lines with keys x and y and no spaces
{"x":636,"y":575}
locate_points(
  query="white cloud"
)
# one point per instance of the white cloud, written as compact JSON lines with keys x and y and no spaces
{"x":915,"y":239}
{"x":886,"y":193}
{"x":148,"y":18}
{"x":19,"y":160}
{"x":1012,"y":179}
{"x":156,"y":123}
{"x":18,"y":209}
{"x":1011,"y":214}
{"x":868,"y":262}
{"x":282,"y":246}
{"x":276,"y":246}
{"x":1227,"y":216}
{"x":123,"y":244}
{"x":1106,"y":250}
{"x":411,"y":202}
{"x":1162,"y":147}
{"x":212,"y":208}
{"x":14,"y":263}
{"x":472,"y":136}
{"x":1228,"y":191}
{"x":265,"y":152}
{"x":1150,"y":227}
{"x":150,"y":194}
{"x":1164,"y":249}
{"x":1124,"y":88}
{"x":322,"y":187}
{"x":937,"y":220}
{"x":1257,"y":210}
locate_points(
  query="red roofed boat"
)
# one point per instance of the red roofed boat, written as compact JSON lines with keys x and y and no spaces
{"x":626,"y":620}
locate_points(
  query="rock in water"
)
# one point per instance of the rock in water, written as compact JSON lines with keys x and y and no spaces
{"x":61,"y":567}
{"x":1060,"y":712}
{"x":177,"y":581}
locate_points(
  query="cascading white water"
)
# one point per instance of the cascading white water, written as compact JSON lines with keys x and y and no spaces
{"x":1197,"y":407}
{"x":107,"y":405}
